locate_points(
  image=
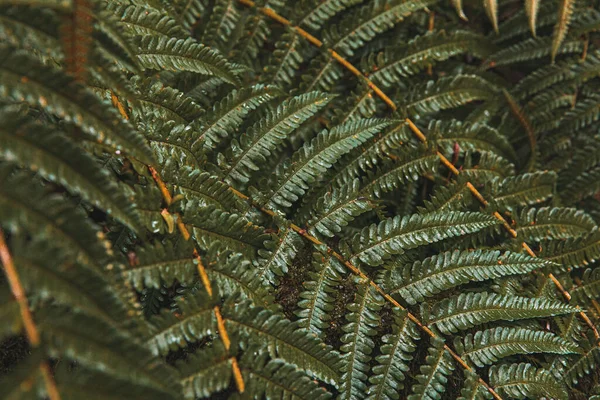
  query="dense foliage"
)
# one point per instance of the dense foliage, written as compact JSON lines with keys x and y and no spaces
{"x":360,"y":199}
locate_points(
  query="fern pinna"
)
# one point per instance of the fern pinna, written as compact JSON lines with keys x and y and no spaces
{"x":314,"y":199}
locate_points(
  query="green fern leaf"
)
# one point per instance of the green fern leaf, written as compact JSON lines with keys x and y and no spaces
{"x":447,"y":270}
{"x":357,"y":340}
{"x":57,"y":159}
{"x":585,"y":363}
{"x":140,"y":20}
{"x":313,"y":159}
{"x":471,"y":309}
{"x":473,"y":389}
{"x":590,"y":287}
{"x":262,"y":138}
{"x":162,"y":53}
{"x":314,"y":13}
{"x":523,"y":190}
{"x":283,"y":340}
{"x":524,"y":381}
{"x":553,"y":223}
{"x":395,"y":64}
{"x":434,"y":373}
{"x":278,"y":254}
{"x":317,"y":300}
{"x":277,"y":379}
{"x":574,"y":253}
{"x":393,"y":363}
{"x":377,"y":243}
{"x":446,"y":93}
{"x":25,"y":78}
{"x":475,"y":137}
{"x":488,"y":346}
{"x":205,"y":373}
{"x":196,"y":321}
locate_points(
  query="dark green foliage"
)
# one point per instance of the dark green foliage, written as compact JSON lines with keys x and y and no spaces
{"x":271,"y":199}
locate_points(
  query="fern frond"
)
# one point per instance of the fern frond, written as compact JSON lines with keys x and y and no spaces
{"x":365,"y":23}
{"x":553,"y":223}
{"x":447,"y":270}
{"x":283,"y":339}
{"x":488,"y":346}
{"x":285,"y":60}
{"x":471,"y":309}
{"x":24,"y":78}
{"x":531,"y":49}
{"x":314,"y":158}
{"x":522,"y":190}
{"x":574,"y":253}
{"x":262,"y":138}
{"x":589,"y":287}
{"x":357,"y":341}
{"x":377,"y":243}
{"x":162,"y":53}
{"x":161,"y":263}
{"x":585,"y":363}
{"x":408,"y":167}
{"x":277,"y":379}
{"x":56,"y":158}
{"x":317,"y":300}
{"x":336,"y":209}
{"x":434,"y":373}
{"x":141,"y":20}
{"x":278,"y":253}
{"x":315,"y":13}
{"x":205,"y":372}
{"x":393,"y":362}
{"x":26,"y":204}
{"x":228,"y":114}
{"x":474,"y":137}
{"x":473,"y":389}
{"x":395,"y":64}
{"x":446,"y":93}
{"x":524,"y":381}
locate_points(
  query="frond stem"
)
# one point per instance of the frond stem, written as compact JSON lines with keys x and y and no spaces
{"x":31,"y":330}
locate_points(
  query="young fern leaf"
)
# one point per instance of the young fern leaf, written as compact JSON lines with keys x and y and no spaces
{"x":282,"y":339}
{"x":524,"y":381}
{"x":23,"y":77}
{"x":434,"y":373}
{"x":317,"y":300}
{"x":53,"y":156}
{"x":488,"y":346}
{"x":357,"y":341}
{"x":451,"y":269}
{"x":393,"y":362}
{"x":562,"y":25}
{"x":491,"y":9}
{"x":377,"y":243}
{"x":263,"y":137}
{"x":162,"y":53}
{"x":314,"y":158}
{"x":470,"y":309}
{"x":531,"y":8}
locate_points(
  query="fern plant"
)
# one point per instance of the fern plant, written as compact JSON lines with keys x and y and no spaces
{"x":313,"y":199}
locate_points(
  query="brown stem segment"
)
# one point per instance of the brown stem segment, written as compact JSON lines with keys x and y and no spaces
{"x":31,"y":331}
